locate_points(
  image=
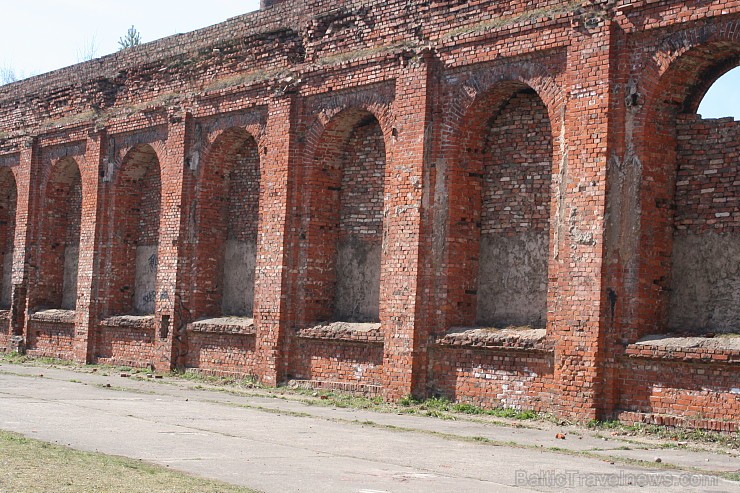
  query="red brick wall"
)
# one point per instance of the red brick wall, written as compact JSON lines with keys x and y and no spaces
{"x":51,"y":339}
{"x":227,"y":353}
{"x":7,"y":232}
{"x":4,"y":330}
{"x":414,"y":133}
{"x":494,"y":378}
{"x":134,"y":222}
{"x":345,"y":218}
{"x":227,"y":208}
{"x":705,"y":279}
{"x":337,"y":361}
{"x":125,"y":345}
{"x":673,"y":388}
{"x":515,"y":214}
{"x":60,"y":230}
{"x":707,"y":184}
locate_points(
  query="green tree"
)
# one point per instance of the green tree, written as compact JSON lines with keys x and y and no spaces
{"x":132,"y":38}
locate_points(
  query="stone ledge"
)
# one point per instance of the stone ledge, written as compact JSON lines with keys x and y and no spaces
{"x":689,"y":349}
{"x":635,"y":417}
{"x":55,"y":316}
{"x":4,"y":315}
{"x":129,"y":321}
{"x":510,"y":338}
{"x":368,"y":333}
{"x":223,"y":325}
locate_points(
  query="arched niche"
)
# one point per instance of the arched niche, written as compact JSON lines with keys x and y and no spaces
{"x":500,"y":203}
{"x":226,"y":226}
{"x":346,"y":219}
{"x":8,"y":198}
{"x":135,"y":219}
{"x":690,"y":236}
{"x":59,"y":238}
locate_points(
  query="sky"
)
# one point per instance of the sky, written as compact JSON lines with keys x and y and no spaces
{"x":38,"y":36}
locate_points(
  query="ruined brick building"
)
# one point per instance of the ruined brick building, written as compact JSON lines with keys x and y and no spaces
{"x":365,"y":195}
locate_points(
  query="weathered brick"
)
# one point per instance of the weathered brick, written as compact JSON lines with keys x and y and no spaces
{"x":343,"y":195}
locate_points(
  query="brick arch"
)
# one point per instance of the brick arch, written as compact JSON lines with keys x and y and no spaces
{"x":487,"y":217}
{"x":686,"y":64}
{"x":254,"y":130}
{"x":8,"y":207}
{"x":226,"y":225}
{"x":330,"y":118}
{"x":344,"y":178}
{"x":464,"y":103}
{"x":59,"y":237}
{"x":223,"y":141}
{"x":123,"y":158}
{"x":133,"y":213}
{"x":137,"y":156}
{"x":671,"y":85}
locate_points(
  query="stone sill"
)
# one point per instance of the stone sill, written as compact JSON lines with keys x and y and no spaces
{"x":224,"y":325}
{"x":635,"y":417}
{"x":368,"y":333}
{"x":510,"y":338}
{"x":129,"y":321}
{"x":689,"y":349}
{"x":54,"y":316}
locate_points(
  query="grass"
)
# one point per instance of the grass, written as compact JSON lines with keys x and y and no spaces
{"x":22,"y":359}
{"x":440,"y":407}
{"x":673,"y":435}
{"x":248,"y":382}
{"x":33,"y":466}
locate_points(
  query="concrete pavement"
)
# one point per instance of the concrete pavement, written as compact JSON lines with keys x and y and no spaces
{"x":282,"y":445}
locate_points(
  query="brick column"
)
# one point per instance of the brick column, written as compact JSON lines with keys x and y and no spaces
{"x":25,"y":224}
{"x":167,"y":318}
{"x":87,"y":315}
{"x":272,"y":312}
{"x":400,"y":285}
{"x":576,"y":318}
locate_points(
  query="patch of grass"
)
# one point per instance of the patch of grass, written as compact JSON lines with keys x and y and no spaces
{"x":730,"y":440}
{"x":732,"y":476}
{"x":441,"y":405}
{"x":33,"y":466}
{"x":22,"y":359}
{"x":242,"y":382}
{"x":727,"y":335}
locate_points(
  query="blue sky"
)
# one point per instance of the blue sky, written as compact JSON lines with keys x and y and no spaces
{"x":723,"y":98}
{"x":38,"y":36}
